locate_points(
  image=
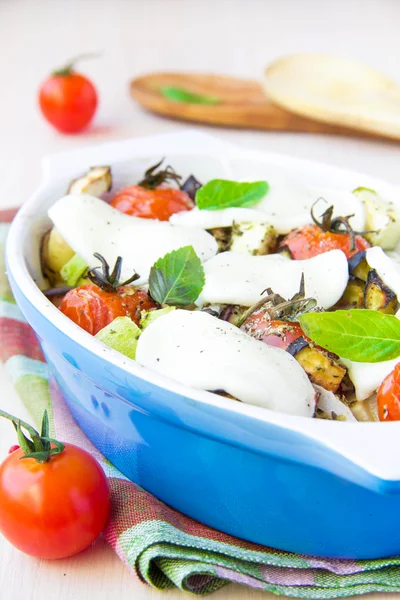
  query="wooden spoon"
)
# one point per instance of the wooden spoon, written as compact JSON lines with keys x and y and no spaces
{"x":243,"y":103}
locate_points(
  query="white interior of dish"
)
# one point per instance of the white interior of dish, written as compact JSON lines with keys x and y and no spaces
{"x":371,"y":446}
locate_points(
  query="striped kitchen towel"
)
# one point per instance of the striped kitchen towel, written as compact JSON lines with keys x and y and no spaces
{"x":163,"y":547}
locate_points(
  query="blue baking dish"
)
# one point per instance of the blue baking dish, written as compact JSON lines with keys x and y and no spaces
{"x":317,"y":487}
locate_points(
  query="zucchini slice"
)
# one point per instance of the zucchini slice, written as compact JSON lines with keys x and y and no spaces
{"x":54,"y":254}
{"x":377,"y":296}
{"x":382,"y":219}
{"x":320,"y":366}
{"x":253,"y":238}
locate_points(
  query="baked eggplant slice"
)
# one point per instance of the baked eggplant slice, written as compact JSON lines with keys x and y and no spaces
{"x":358,"y":266}
{"x":253,"y":238}
{"x":232,"y":313}
{"x":353,"y":295}
{"x":223,"y":236}
{"x":320,"y":366}
{"x":377,"y":296}
{"x":95,"y":182}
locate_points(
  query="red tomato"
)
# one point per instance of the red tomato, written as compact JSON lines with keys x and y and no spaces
{"x":312,"y":240}
{"x":53,"y":509}
{"x":92,"y":309}
{"x":159,"y":203}
{"x":388,"y":397}
{"x":68,"y":100}
{"x":279,"y":334}
{"x":13,"y":448}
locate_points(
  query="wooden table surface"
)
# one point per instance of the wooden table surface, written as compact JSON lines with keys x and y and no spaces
{"x":236,"y":37}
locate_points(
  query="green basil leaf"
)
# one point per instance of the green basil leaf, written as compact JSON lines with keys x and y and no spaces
{"x":178,"y":278}
{"x":180,"y":95}
{"x":360,"y":335}
{"x":222,"y":193}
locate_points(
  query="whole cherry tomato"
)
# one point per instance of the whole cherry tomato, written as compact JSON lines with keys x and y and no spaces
{"x":388,"y":397}
{"x":279,"y":334}
{"x":92,"y":308}
{"x":68,"y":100}
{"x":159,"y":203}
{"x":54,"y":502}
{"x":312,"y":240}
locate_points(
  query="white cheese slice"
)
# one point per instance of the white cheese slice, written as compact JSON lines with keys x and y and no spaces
{"x":387,"y":268}
{"x":235,"y":278}
{"x":367,"y":377}
{"x":287,"y":205}
{"x":90,"y":225}
{"x":200,"y":351}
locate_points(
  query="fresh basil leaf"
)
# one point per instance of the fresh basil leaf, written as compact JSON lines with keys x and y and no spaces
{"x":222,"y":193}
{"x":177,"y":278}
{"x":360,"y":335}
{"x":180,"y":95}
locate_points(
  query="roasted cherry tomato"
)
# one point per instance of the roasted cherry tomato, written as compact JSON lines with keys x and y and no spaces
{"x":159,"y":203}
{"x":388,"y":397}
{"x":151,"y":198}
{"x":92,"y":308}
{"x":53,"y":502}
{"x":312,"y":240}
{"x":68,"y":100}
{"x":279,"y":334}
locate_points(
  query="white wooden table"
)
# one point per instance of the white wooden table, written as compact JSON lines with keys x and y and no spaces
{"x":236,"y":37}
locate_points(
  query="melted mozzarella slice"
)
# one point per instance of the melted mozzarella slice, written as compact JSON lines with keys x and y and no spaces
{"x":287,"y":205}
{"x":205,"y":353}
{"x":90,"y":225}
{"x":234,"y":278}
{"x":387,"y":268}
{"x":367,"y":377}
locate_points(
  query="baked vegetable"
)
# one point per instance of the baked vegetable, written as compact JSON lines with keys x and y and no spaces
{"x":382,"y":218}
{"x":96,"y":182}
{"x":378,"y":296}
{"x":253,"y":238}
{"x":54,"y":254}
{"x":353,"y":296}
{"x":320,"y":366}
{"x":223,"y":236}
{"x":358,"y":266}
{"x":152,"y":197}
{"x":331,"y":233}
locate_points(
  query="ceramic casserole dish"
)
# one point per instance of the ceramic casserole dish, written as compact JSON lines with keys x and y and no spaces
{"x":305,"y":485}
